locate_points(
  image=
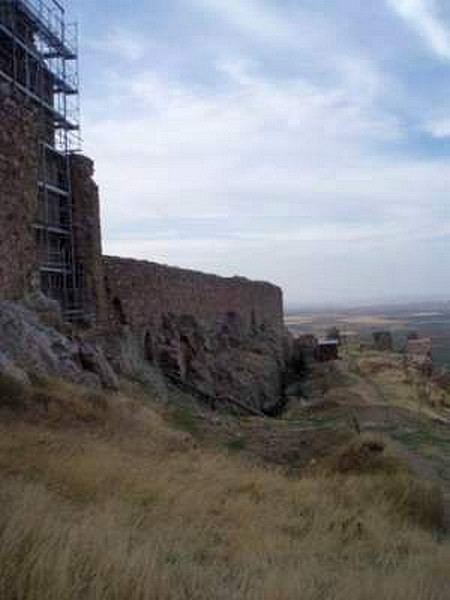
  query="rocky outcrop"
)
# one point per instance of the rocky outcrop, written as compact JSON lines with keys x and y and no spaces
{"x":223,"y":337}
{"x":222,"y":361}
{"x":10,"y":369}
{"x":29,"y":347}
{"x":419,"y":353}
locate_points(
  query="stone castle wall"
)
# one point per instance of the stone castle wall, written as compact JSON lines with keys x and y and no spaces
{"x":223,"y":337}
{"x":18,"y":195}
{"x":87,"y":234}
{"x":19,"y":164}
{"x":141,"y":291}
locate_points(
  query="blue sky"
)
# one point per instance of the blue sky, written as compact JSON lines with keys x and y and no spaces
{"x":305,"y":142}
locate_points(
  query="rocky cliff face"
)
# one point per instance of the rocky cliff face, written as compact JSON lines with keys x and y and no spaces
{"x":220,"y":361}
{"x":32,"y":347}
{"x":220,"y":336}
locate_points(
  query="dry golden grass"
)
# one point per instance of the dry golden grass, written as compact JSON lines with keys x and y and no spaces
{"x":400,"y":384}
{"x":132,"y":509}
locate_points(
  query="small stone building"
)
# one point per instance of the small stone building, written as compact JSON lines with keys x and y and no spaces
{"x":303,"y":350}
{"x":327,"y":350}
{"x":383,"y":341}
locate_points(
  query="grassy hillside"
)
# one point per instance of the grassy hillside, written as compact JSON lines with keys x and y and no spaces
{"x":115,"y":497}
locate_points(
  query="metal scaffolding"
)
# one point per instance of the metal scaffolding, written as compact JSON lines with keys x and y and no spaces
{"x":39,"y":59}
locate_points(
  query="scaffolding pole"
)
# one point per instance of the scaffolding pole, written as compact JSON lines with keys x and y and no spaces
{"x":39,"y":59}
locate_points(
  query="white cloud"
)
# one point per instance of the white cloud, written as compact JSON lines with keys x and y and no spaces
{"x":307,"y":36}
{"x":254,"y":18}
{"x":122,"y":43}
{"x":254,"y":148}
{"x":438,"y":128}
{"x":261,"y":150}
{"x":423,"y":17}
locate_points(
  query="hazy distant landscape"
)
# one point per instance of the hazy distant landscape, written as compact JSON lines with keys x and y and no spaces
{"x":428,"y":320}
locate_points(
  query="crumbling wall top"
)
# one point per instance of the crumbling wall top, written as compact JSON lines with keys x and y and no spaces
{"x":140,"y":290}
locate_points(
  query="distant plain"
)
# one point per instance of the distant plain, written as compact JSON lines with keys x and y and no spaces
{"x":428,"y":320}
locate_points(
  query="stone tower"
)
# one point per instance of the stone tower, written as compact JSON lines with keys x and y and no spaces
{"x":49,"y":213}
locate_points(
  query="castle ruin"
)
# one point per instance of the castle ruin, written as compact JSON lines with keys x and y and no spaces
{"x":50,"y":239}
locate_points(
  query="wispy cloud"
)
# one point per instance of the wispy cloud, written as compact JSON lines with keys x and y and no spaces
{"x":221,"y":151}
{"x":254,"y":18}
{"x":423,"y":17}
{"x":123,"y":44}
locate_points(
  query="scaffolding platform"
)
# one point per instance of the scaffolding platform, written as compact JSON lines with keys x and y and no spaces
{"x":48,"y":16}
{"x":39,"y":60}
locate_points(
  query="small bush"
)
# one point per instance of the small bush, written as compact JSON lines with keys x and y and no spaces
{"x":364,"y":455}
{"x":420,"y":502}
{"x":13,"y":394}
{"x":183,"y":418}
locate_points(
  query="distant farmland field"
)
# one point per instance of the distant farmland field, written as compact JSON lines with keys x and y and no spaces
{"x":433,"y":324}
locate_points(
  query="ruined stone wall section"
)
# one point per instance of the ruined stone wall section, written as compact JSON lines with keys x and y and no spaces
{"x":222,"y":337}
{"x":87,"y":233}
{"x":18,"y":195}
{"x":141,"y":292}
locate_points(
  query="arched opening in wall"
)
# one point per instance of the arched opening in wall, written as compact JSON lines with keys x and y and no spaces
{"x":119,"y":314}
{"x":149,"y":350}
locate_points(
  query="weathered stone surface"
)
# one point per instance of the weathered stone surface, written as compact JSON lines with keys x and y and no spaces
{"x":140,"y":292}
{"x":18,"y":195}
{"x":87,"y":234}
{"x":93,"y":360}
{"x":20,"y":152}
{"x":218,"y":360}
{"x":419,"y":353}
{"x":222,"y":336}
{"x":7,"y":367}
{"x":27,"y":345}
{"x":40,"y":303}
{"x":125,"y":352}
